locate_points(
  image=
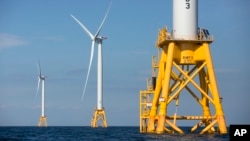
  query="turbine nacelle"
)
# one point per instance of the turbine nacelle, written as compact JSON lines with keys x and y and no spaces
{"x":99,"y":39}
{"x":42,"y":77}
{"x":104,"y":37}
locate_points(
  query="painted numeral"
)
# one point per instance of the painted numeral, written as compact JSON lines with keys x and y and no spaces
{"x":187,"y":4}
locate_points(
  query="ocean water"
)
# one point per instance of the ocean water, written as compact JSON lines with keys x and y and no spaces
{"x":60,"y":133}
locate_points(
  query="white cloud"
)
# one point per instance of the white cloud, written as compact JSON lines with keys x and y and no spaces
{"x":9,"y":40}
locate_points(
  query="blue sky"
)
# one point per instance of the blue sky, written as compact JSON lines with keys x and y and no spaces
{"x":44,"y":29}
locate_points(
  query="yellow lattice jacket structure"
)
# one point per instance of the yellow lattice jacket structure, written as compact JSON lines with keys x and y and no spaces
{"x":99,"y":116}
{"x":184,"y":67}
{"x":42,"y":122}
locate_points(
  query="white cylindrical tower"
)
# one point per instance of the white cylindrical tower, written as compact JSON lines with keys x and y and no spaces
{"x":185,"y":19}
{"x":99,"y":77}
{"x":43,"y":90}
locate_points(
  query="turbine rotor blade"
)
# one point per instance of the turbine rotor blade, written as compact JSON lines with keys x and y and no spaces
{"x":83,"y":27}
{"x":38,"y":84}
{"x":90,"y":62}
{"x":39,"y":68}
{"x":100,"y":27}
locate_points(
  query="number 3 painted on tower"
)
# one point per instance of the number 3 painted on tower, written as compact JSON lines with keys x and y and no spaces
{"x":187,"y":4}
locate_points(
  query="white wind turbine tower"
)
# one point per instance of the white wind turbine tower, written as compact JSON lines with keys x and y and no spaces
{"x":99,"y":114}
{"x":42,"y":120}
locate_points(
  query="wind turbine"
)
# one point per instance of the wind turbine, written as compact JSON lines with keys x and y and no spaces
{"x":42,"y":121}
{"x":99,"y":113}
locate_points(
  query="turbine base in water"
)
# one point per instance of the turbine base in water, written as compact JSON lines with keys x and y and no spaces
{"x":99,"y":116}
{"x":42,"y":122}
{"x":185,"y":67}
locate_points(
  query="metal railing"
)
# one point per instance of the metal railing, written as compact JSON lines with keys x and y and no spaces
{"x":187,"y":37}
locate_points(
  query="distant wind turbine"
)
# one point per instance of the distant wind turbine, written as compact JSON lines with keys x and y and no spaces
{"x":42,"y":78}
{"x":95,"y":39}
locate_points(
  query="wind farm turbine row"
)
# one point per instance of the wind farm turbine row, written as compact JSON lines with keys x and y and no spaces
{"x":99,"y":113}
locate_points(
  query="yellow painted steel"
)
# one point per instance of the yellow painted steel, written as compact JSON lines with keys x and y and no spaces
{"x":99,"y":116}
{"x":184,"y":65}
{"x":42,"y":122}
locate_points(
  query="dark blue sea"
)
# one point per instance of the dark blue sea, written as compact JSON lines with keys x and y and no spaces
{"x":60,"y":133}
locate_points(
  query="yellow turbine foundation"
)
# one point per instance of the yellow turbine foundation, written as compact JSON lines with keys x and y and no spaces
{"x":42,"y":122}
{"x":99,"y":116}
{"x":184,"y":65}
